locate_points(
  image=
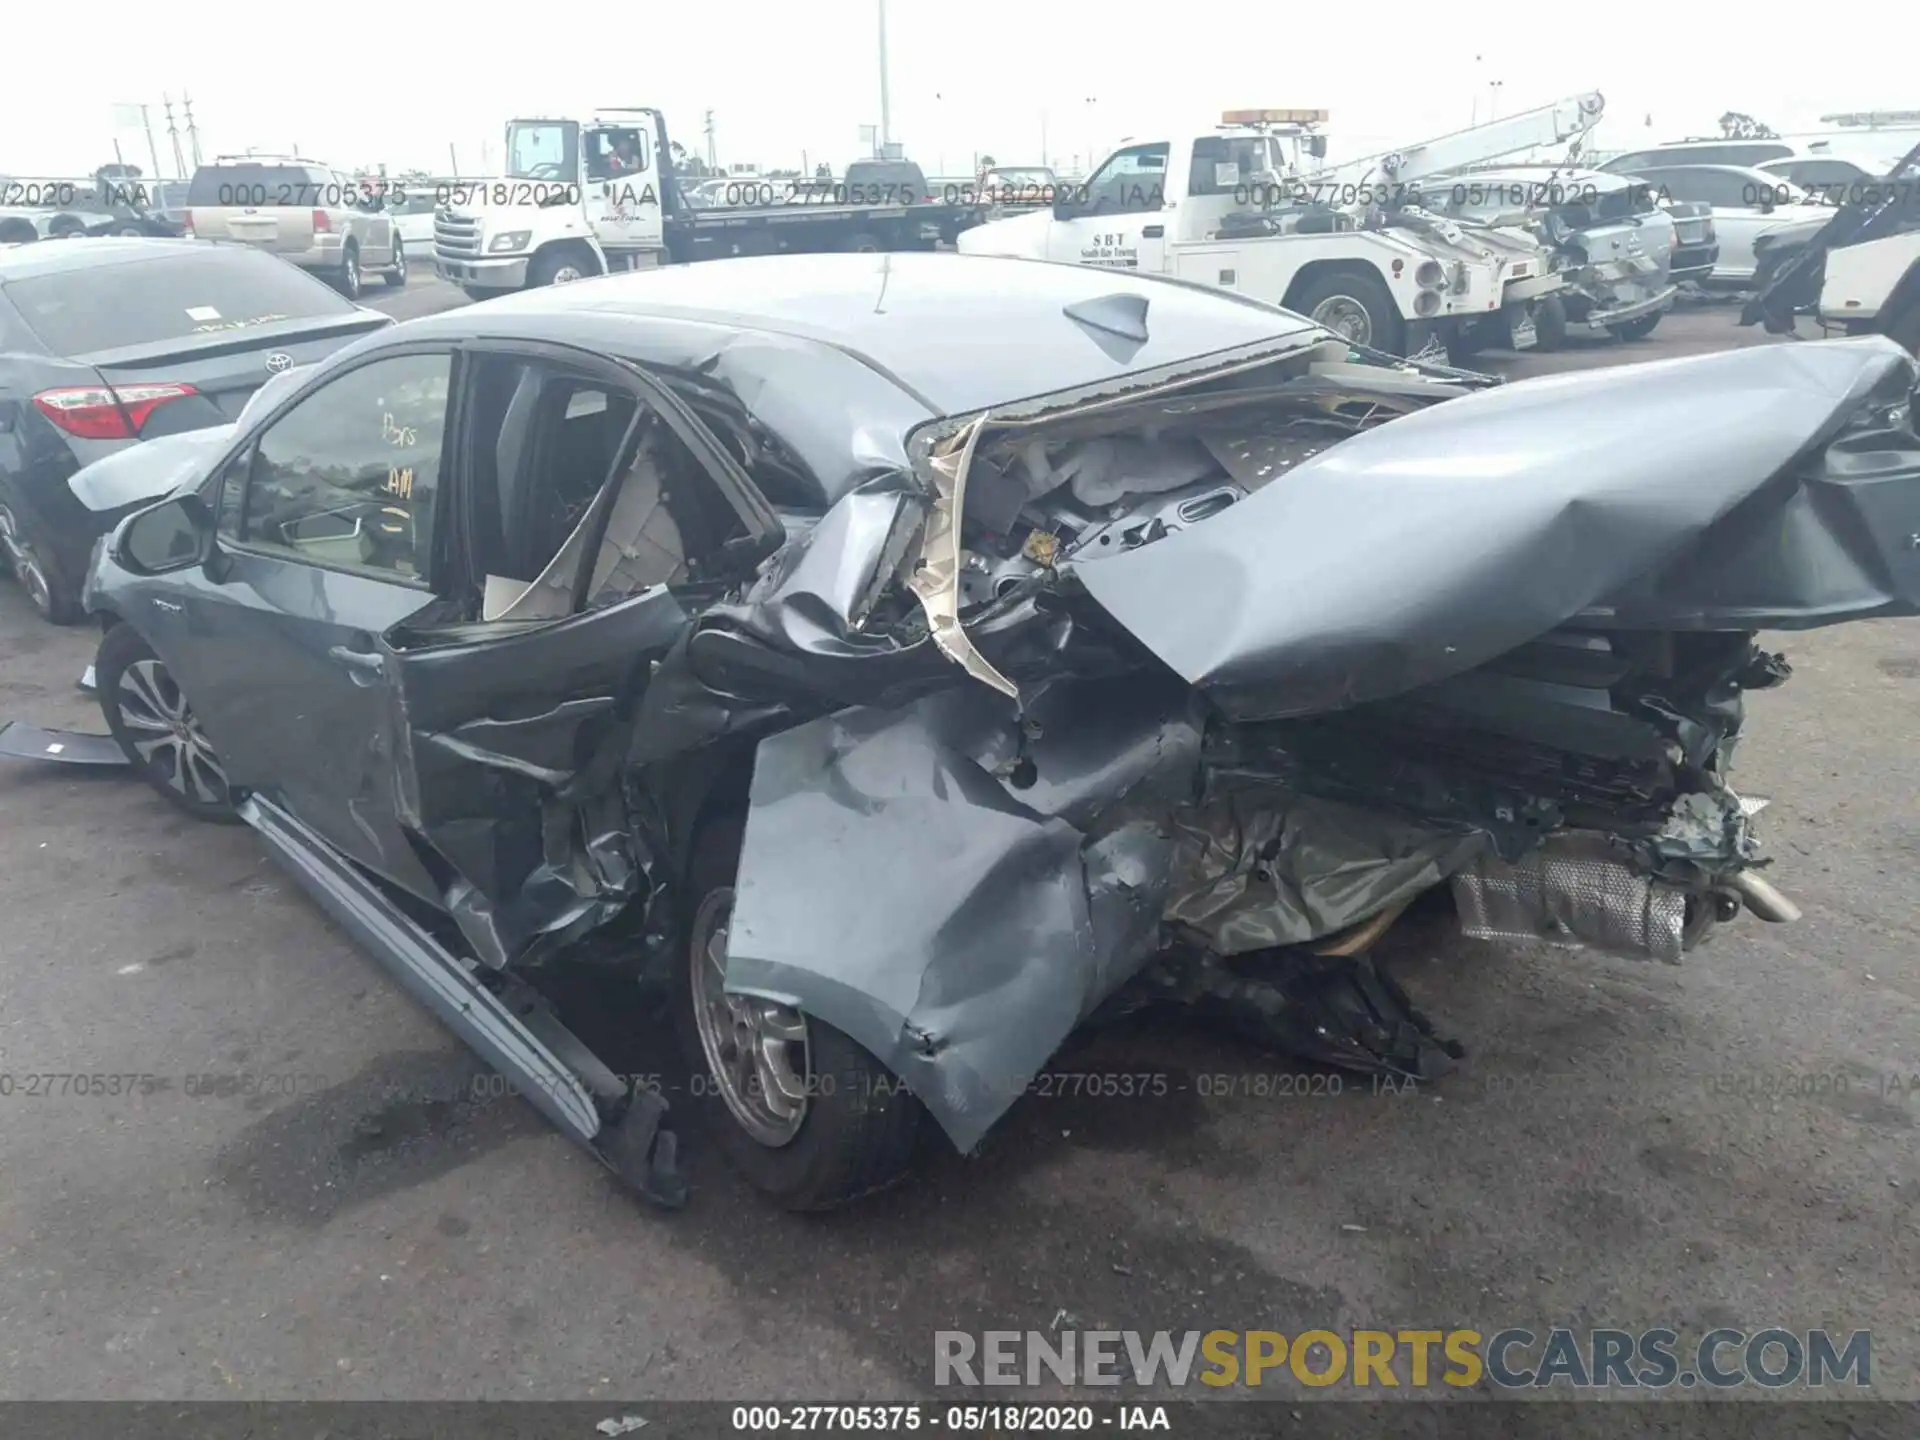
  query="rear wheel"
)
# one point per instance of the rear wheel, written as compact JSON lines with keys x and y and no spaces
{"x":805,"y":1114}
{"x":347,"y":278}
{"x":1354,"y":306}
{"x":157,"y":729}
{"x":864,"y":241}
{"x":396,"y":276}
{"x":25,"y":552}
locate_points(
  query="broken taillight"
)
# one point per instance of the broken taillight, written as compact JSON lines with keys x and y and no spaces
{"x":102,"y":412}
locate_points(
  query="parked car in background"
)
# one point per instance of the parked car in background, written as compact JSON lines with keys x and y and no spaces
{"x":412,"y":217}
{"x":116,"y":342}
{"x":1833,"y":179}
{"x":1699,"y":152}
{"x":306,"y":213}
{"x":1696,"y":244}
{"x":1745,"y":203}
{"x":930,"y":671}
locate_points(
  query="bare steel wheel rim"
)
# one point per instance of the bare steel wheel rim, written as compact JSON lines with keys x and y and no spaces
{"x":166,"y":734}
{"x":757,"y":1051}
{"x":24,"y":563}
{"x":1346,"y":317}
{"x":566,"y":275}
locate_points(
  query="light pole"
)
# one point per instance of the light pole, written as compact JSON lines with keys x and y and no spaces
{"x":1493,"y":100}
{"x":886,"y":123}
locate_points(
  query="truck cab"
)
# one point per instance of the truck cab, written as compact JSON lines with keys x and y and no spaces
{"x":1228,"y":207}
{"x":577,"y":197}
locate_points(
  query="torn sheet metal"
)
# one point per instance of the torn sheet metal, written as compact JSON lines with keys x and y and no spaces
{"x":1577,"y":889}
{"x":507,"y":749}
{"x":907,"y":877}
{"x":21,"y":741}
{"x":937,"y":579}
{"x":1259,"y":868}
{"x":1426,"y":547}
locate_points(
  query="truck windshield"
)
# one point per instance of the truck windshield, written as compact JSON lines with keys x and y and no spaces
{"x":543,"y":150}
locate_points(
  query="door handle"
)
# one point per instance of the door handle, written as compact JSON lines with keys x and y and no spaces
{"x":360,"y":663}
{"x":1153,"y":232}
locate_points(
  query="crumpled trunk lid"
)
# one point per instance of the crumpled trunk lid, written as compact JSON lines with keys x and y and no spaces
{"x":1428,"y":546}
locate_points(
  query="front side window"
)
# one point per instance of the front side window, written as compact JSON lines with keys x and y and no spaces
{"x":1132,"y":181}
{"x":348,"y":477}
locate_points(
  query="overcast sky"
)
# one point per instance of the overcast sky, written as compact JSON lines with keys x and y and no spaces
{"x":786,"y":80}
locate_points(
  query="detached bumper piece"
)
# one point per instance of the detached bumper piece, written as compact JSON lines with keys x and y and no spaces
{"x":21,"y":741}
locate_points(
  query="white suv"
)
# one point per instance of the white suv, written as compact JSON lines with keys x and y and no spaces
{"x":304,"y":212}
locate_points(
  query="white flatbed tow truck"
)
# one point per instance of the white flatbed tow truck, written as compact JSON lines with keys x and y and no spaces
{"x":598,"y":193}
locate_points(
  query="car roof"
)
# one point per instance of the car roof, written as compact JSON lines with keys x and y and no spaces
{"x":63,"y":257}
{"x":1745,"y":172}
{"x":959,"y":332}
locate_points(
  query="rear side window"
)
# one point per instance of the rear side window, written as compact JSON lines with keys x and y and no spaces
{"x":257,"y":186}
{"x":197,"y":291}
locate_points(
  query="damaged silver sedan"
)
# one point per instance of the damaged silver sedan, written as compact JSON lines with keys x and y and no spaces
{"x":918,"y":657}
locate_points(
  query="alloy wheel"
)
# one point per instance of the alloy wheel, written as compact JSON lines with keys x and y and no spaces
{"x":757,"y":1051}
{"x":166,"y":734}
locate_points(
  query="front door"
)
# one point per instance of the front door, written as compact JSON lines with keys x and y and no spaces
{"x":622,"y":190}
{"x":1119,"y":216}
{"x":327,"y":538}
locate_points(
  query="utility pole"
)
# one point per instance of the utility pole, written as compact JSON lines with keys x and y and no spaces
{"x":886,"y":121}
{"x":193,"y":131}
{"x":153,"y":150}
{"x":712,"y":164}
{"x":173,"y":134}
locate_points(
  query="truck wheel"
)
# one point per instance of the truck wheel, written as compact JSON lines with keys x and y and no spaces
{"x":1355,"y":306}
{"x":560,"y":267}
{"x":1637,"y":329}
{"x":805,"y":1114}
{"x":1549,"y":323}
{"x":18,"y":232}
{"x":865,"y":242}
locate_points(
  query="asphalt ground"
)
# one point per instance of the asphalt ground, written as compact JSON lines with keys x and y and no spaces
{"x":1729,"y":1142}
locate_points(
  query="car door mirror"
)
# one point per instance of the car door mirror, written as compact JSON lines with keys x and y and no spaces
{"x":173,"y":535}
{"x":1065,"y":204}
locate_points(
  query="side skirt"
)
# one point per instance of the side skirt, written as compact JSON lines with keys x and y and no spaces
{"x":519,"y":1035}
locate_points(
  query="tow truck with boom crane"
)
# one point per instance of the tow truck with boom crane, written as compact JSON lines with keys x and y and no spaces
{"x":589,"y":195}
{"x":1250,"y":206}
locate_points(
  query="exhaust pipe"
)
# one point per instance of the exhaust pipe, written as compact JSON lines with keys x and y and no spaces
{"x":1763,"y":900}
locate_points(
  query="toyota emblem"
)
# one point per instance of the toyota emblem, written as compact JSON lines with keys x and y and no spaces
{"x":279,"y":362}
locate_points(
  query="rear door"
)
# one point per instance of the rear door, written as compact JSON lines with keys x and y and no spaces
{"x":507,"y":737}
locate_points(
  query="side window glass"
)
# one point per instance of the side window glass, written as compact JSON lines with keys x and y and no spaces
{"x":1132,"y":181}
{"x":349,"y":477}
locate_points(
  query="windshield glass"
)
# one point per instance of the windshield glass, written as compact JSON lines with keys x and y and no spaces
{"x":543,"y":150}
{"x":1021,"y":175}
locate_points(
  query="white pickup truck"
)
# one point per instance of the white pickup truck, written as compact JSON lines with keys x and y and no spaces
{"x":1223,"y":207}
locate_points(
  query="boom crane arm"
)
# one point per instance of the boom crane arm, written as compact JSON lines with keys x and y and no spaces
{"x":1564,"y":122}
